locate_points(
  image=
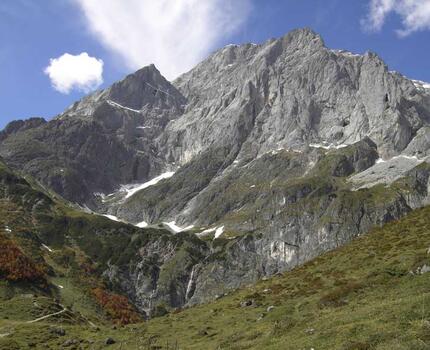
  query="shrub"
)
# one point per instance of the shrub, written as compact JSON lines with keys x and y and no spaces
{"x":117,"y":307}
{"x":15,"y":265}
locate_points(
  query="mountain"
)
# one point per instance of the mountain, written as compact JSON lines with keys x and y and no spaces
{"x":260,"y":159}
{"x":249,"y":99}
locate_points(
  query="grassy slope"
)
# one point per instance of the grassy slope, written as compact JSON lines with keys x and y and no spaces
{"x":361,"y":296}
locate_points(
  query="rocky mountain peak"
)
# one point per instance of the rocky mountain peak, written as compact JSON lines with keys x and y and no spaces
{"x":252,"y":99}
{"x":303,"y":37}
{"x":146,"y":86}
{"x":231,"y":57}
{"x":138,"y":92}
{"x":292,"y":91}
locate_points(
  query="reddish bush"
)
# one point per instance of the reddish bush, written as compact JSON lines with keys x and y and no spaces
{"x":15,"y":265}
{"x":117,"y":307}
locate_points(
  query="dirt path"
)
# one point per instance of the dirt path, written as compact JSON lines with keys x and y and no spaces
{"x":10,"y":332}
{"x":46,"y":316}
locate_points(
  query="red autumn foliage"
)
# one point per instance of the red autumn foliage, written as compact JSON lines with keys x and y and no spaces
{"x":15,"y":265}
{"x":117,"y":307}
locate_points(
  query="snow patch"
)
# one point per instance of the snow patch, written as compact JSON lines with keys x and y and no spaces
{"x":253,"y":186}
{"x":115,"y":104}
{"x":328,"y":146}
{"x":275,"y":152}
{"x":281,"y":149}
{"x":346,"y":53}
{"x":219,"y":231}
{"x":209,"y":230}
{"x":175,"y":228}
{"x":47,"y":248}
{"x":60,"y":286}
{"x":7,"y":229}
{"x":136,"y":188}
{"x":111,"y":217}
{"x":421,"y":84}
{"x":142,"y":224}
{"x":144,"y":127}
{"x":188,"y":228}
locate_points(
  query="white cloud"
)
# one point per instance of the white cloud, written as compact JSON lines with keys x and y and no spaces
{"x":172,"y":34}
{"x":69,"y":72}
{"x":415,"y":15}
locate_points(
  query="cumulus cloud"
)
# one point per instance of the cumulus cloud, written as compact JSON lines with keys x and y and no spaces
{"x":75,"y":72}
{"x":415,"y":15}
{"x":172,"y":34}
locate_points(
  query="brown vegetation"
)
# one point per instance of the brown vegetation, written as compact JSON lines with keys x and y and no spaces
{"x":15,"y":265}
{"x":116,"y":306}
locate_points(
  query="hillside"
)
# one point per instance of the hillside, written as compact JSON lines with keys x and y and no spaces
{"x":52,"y":250}
{"x":371,"y":294}
{"x":229,"y":209}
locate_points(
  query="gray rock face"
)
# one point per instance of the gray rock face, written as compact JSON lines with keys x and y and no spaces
{"x":291,"y":92}
{"x":100,"y":142}
{"x":281,"y":151}
{"x":386,"y":172}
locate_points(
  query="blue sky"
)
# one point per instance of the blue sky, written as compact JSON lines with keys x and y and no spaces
{"x":34,"y":31}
